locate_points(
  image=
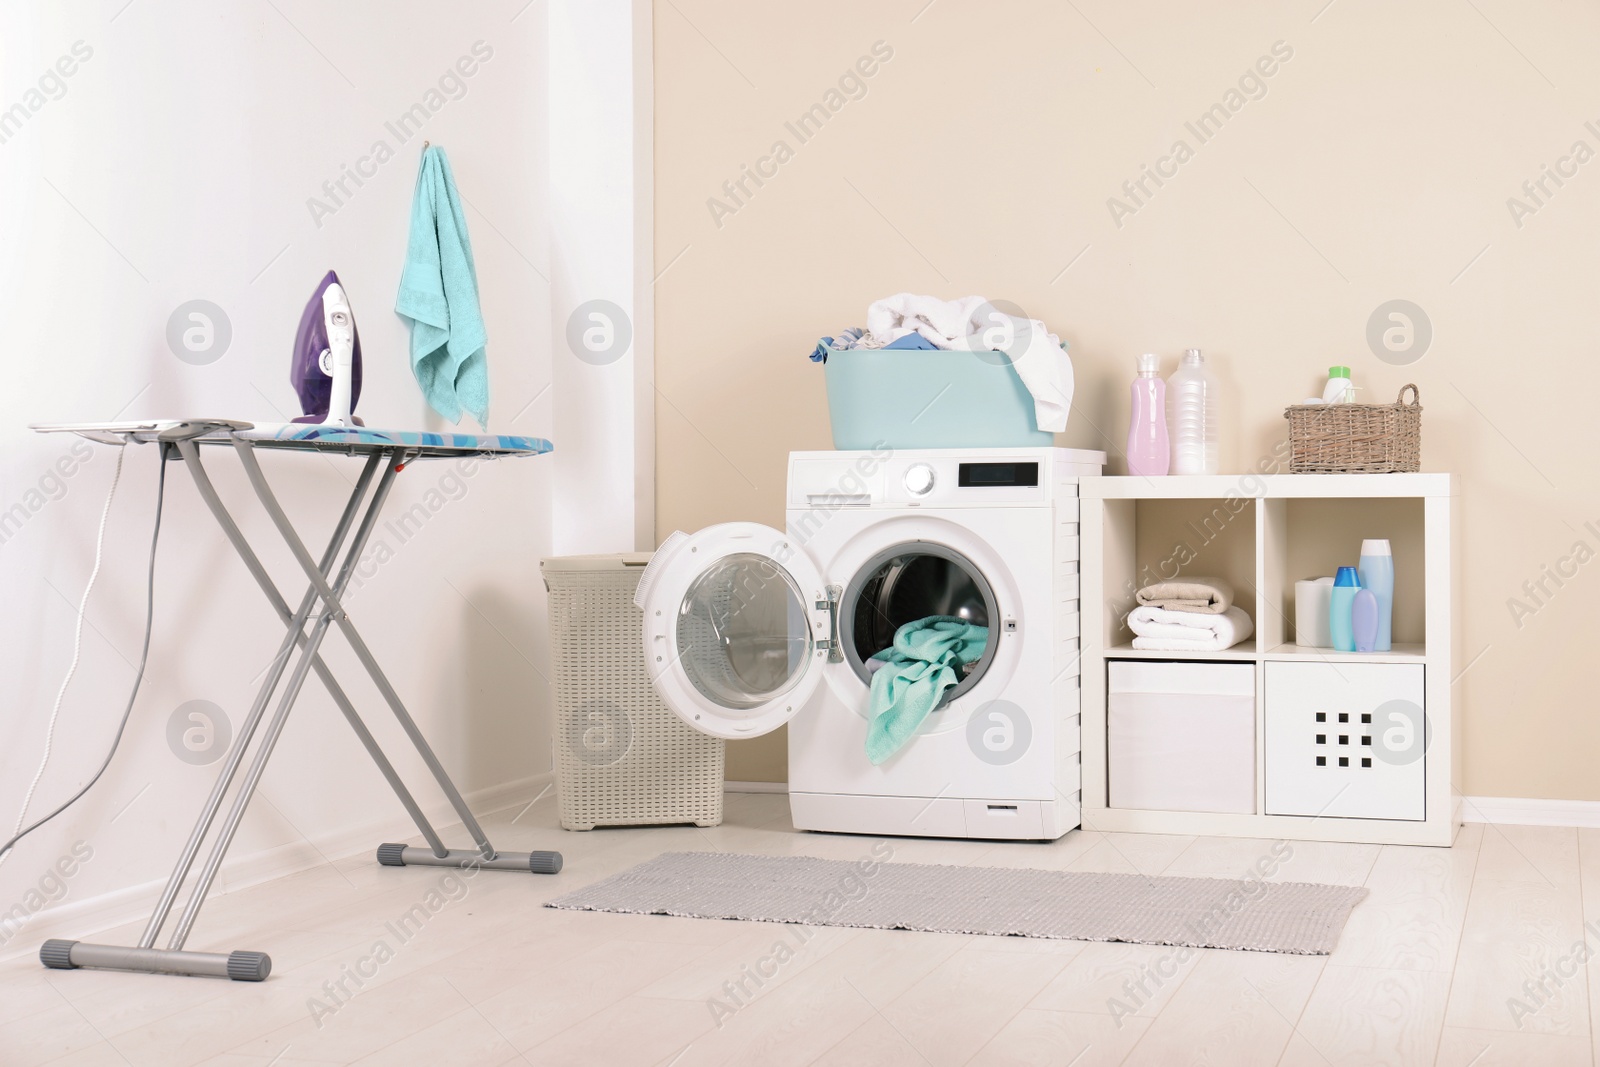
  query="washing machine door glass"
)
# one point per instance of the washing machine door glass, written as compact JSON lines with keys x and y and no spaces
{"x":907,"y":582}
{"x":737,"y":625}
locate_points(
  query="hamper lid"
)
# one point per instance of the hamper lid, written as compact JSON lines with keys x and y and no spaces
{"x":612,"y":561}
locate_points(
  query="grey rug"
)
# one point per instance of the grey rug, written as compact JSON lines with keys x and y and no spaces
{"x":1293,"y":917}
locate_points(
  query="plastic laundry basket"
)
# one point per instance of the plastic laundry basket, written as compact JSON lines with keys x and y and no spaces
{"x":919,"y":398}
{"x":622,"y":759}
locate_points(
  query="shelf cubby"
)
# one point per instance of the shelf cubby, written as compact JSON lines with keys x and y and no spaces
{"x":1149,"y":540}
{"x":1310,"y":537}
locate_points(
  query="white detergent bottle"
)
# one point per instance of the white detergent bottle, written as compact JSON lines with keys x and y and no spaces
{"x":1340,"y":389}
{"x":1194,"y":416}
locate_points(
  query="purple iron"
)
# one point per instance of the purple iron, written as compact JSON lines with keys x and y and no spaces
{"x":326,"y":369}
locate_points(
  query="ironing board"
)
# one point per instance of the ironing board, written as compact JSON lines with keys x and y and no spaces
{"x":393,"y":451}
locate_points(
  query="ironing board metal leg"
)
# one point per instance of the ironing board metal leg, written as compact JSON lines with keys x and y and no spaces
{"x":370,"y":743}
{"x":191,"y":459}
{"x":396,"y":855}
{"x":331,"y":605}
{"x":269,"y":740}
{"x":239,"y":966}
{"x":281,"y":606}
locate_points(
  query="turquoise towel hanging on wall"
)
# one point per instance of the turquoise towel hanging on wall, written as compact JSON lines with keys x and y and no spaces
{"x":439,"y":294}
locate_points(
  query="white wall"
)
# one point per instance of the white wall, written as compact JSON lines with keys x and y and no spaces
{"x":602,"y":274}
{"x":177,"y":164}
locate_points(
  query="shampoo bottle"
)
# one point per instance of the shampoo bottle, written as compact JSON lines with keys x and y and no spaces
{"x":1149,"y":452}
{"x":1377,"y":574}
{"x":1364,"y":620}
{"x":1345,"y":585}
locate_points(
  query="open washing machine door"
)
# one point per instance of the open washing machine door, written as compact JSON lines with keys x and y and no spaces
{"x":738,"y":627}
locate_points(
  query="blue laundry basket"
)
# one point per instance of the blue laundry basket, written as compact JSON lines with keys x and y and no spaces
{"x":920,"y":398}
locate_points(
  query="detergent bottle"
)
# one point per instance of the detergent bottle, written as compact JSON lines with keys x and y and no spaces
{"x":1340,"y":389}
{"x":1194,"y":416}
{"x":1149,"y":452}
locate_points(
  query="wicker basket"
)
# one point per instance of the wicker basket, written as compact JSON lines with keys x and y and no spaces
{"x":622,"y":758}
{"x":1356,"y":438}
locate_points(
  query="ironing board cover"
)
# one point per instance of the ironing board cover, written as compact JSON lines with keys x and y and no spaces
{"x":335,"y":436}
{"x":354,"y":440}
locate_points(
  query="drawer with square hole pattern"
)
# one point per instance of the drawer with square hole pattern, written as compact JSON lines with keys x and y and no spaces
{"x":1346,"y":740}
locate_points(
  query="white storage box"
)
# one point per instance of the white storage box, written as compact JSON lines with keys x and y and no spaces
{"x":1181,"y":736}
{"x":622,"y":759}
{"x":1346,"y":740}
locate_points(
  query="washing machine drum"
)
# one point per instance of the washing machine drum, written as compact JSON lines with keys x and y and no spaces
{"x":908,"y":583}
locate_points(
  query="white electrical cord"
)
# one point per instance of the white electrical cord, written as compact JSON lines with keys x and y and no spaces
{"x":77,"y":646}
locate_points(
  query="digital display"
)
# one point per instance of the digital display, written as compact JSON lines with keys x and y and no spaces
{"x":976,"y":475}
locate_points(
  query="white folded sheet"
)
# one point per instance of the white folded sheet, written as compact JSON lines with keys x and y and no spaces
{"x":1159,"y":629}
{"x":972,"y":324}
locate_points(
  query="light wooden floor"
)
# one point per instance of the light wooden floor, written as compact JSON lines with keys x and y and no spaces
{"x":1422,"y":975}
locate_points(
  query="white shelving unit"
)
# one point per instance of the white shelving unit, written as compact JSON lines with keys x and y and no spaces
{"x":1262,"y":533}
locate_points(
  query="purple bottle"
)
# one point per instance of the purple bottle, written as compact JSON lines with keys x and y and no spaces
{"x":1364,"y":620}
{"x":1149,"y":452}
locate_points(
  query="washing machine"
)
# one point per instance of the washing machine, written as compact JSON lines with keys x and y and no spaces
{"x":748,"y":628}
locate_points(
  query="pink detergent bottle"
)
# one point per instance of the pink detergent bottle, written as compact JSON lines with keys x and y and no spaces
{"x":1149,"y":452}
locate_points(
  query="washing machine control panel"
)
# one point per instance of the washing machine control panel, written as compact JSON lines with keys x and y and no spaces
{"x":933,"y":477}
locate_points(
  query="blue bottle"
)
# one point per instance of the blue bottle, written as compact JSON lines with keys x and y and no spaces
{"x":1345,"y":585}
{"x":1377,"y":574}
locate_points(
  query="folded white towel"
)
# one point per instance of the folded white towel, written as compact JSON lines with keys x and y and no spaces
{"x":972,"y":324}
{"x":1159,"y":629}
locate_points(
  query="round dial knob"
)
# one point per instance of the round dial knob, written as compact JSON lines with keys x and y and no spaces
{"x":919,"y":479}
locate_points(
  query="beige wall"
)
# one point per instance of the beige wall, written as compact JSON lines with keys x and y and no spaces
{"x":1377,"y":165}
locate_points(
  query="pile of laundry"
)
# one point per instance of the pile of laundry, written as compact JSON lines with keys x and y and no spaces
{"x":909,"y":679}
{"x":970,"y":324}
{"x":1188,"y":615}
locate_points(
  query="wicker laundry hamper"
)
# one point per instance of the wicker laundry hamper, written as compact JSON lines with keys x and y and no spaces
{"x":622,"y":759}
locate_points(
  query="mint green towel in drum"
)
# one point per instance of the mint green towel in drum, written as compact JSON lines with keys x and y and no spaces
{"x":916,"y":672}
{"x":439,"y":294}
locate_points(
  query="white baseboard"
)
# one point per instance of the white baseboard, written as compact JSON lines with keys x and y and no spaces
{"x":1526,"y":811}
{"x":79,"y":919}
{"x":755,"y":787}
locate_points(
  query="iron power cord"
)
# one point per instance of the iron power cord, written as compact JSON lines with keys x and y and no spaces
{"x":144,"y":652}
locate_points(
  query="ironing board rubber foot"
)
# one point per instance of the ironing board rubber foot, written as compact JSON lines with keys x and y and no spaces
{"x":57,"y":954}
{"x":244,"y":966}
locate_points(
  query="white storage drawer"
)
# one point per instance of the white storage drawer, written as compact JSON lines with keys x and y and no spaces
{"x":1345,"y":740}
{"x":1181,"y":736}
